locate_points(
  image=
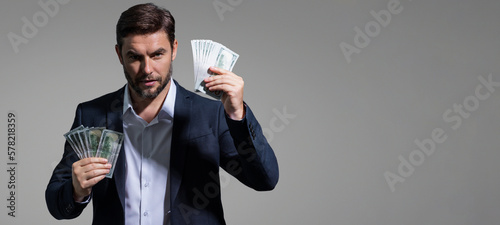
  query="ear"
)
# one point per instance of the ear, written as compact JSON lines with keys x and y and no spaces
{"x":118,"y":52}
{"x":174,"y":49}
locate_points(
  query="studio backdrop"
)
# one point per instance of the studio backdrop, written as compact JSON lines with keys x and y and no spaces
{"x":379,"y":112}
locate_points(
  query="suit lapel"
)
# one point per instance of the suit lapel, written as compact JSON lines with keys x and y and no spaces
{"x":180,"y":135}
{"x":114,"y":121}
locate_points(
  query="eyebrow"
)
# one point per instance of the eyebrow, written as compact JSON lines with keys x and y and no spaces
{"x":160,"y":50}
{"x":133,"y":52}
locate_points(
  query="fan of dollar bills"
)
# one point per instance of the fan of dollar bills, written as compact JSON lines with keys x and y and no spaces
{"x":96,"y":142}
{"x":208,"y":53}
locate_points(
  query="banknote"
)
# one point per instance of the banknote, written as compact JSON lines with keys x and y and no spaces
{"x":84,"y":141}
{"x":94,"y":139}
{"x":109,"y":148}
{"x":72,"y":142}
{"x":207,"y":53}
{"x":95,"y":142}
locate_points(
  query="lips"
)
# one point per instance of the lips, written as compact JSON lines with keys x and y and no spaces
{"x":149,"y":82}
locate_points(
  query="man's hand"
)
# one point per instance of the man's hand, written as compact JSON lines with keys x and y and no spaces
{"x":86,"y":173}
{"x":232,"y":86}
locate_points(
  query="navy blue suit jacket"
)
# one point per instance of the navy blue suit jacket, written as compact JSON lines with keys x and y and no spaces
{"x":203,"y":140}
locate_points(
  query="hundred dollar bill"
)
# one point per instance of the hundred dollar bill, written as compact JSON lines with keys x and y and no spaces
{"x":76,"y":138}
{"x":84,"y":141}
{"x":109,"y":148}
{"x":96,"y":142}
{"x":94,"y":139}
{"x":73,"y":142}
{"x":208,"y":53}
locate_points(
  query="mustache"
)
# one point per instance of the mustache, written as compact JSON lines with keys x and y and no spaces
{"x":148,"y":77}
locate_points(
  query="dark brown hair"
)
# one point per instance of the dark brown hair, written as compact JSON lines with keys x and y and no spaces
{"x":145,"y":19}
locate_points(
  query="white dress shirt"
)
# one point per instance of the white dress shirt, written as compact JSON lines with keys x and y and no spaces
{"x":147,"y":157}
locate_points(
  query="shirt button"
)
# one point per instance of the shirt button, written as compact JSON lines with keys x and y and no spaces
{"x":146,"y":185}
{"x":145,"y":214}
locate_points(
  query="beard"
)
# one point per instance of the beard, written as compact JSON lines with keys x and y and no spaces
{"x":145,"y":93}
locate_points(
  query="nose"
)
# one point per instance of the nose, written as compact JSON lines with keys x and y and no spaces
{"x":146,"y":66}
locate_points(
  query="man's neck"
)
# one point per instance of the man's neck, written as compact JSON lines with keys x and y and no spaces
{"x":148,"y":108}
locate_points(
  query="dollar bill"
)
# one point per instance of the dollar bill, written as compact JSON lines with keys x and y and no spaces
{"x":94,"y":139}
{"x":76,"y":139}
{"x":73,"y":142}
{"x":96,"y":142}
{"x":84,"y":138}
{"x":109,"y":148}
{"x":207,"y":53}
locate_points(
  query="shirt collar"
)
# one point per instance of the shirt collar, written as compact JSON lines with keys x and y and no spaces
{"x":167,"y":109}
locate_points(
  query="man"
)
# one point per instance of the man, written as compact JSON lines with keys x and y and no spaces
{"x":167,"y":171}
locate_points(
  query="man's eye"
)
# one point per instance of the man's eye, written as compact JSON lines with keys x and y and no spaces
{"x":133,"y":57}
{"x":158,"y":55}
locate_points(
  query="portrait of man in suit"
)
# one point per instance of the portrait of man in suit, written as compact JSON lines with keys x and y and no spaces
{"x":175,"y":141}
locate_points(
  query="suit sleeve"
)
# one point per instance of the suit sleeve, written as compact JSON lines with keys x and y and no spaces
{"x":59,"y":192}
{"x":246,"y":154}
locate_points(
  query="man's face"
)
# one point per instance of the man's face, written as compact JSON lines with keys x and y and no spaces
{"x":147,"y":62}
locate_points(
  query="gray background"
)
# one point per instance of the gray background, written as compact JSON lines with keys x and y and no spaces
{"x":352,"y":121}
